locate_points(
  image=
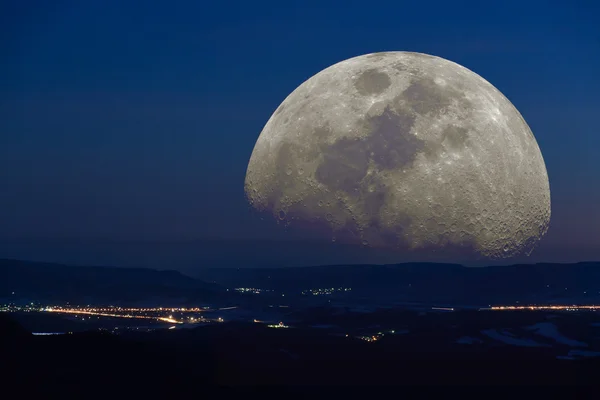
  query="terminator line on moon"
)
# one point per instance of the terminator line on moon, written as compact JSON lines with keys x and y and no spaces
{"x":403,"y":150}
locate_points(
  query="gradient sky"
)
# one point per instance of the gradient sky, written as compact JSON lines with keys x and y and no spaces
{"x":135,"y":120}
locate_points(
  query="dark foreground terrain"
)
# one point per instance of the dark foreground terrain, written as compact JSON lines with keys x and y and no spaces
{"x":243,"y":353}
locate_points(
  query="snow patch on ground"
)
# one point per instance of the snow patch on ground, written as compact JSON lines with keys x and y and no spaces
{"x":494,"y":334}
{"x":584,"y":353}
{"x":576,"y":354}
{"x":549,"y":330}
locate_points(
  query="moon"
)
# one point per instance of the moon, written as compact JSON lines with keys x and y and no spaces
{"x":403,"y":150}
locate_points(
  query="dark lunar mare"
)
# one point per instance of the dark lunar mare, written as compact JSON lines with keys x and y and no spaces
{"x":390,"y":145}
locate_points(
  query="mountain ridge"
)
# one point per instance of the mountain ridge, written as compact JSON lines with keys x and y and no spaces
{"x":425,"y":282}
{"x":59,"y":282}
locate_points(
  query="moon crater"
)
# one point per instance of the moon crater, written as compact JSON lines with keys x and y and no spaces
{"x":403,"y":150}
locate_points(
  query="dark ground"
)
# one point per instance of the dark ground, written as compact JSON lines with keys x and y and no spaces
{"x":246,"y":354}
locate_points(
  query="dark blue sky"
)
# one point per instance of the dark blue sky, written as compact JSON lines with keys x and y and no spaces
{"x":136,"y":119}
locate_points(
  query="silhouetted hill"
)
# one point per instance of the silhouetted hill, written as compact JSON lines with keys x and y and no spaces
{"x":11,"y":331}
{"x":287,"y":251}
{"x":187,"y":256}
{"x":409,"y":282}
{"x":56,"y":282}
{"x":429,"y":282}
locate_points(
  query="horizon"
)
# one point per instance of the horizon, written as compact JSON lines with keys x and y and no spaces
{"x":189,"y":255}
{"x":432,"y":263}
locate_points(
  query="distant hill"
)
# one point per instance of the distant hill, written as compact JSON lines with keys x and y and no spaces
{"x":429,"y":281}
{"x":57,"y":282}
{"x":188,"y":256}
{"x":410,"y":282}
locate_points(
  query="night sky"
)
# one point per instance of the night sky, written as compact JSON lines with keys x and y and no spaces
{"x":135,"y":120}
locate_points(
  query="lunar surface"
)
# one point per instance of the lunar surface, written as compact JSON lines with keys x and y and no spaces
{"x":403,"y":150}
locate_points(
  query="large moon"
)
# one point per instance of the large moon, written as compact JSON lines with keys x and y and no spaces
{"x":403,"y":150}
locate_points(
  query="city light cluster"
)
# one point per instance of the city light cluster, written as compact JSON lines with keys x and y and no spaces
{"x":76,"y":311}
{"x":251,"y":290}
{"x":162,"y":314}
{"x":372,"y":338}
{"x":279,"y":325}
{"x":325,"y":291}
{"x":133,"y":310}
{"x":546,"y":307}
